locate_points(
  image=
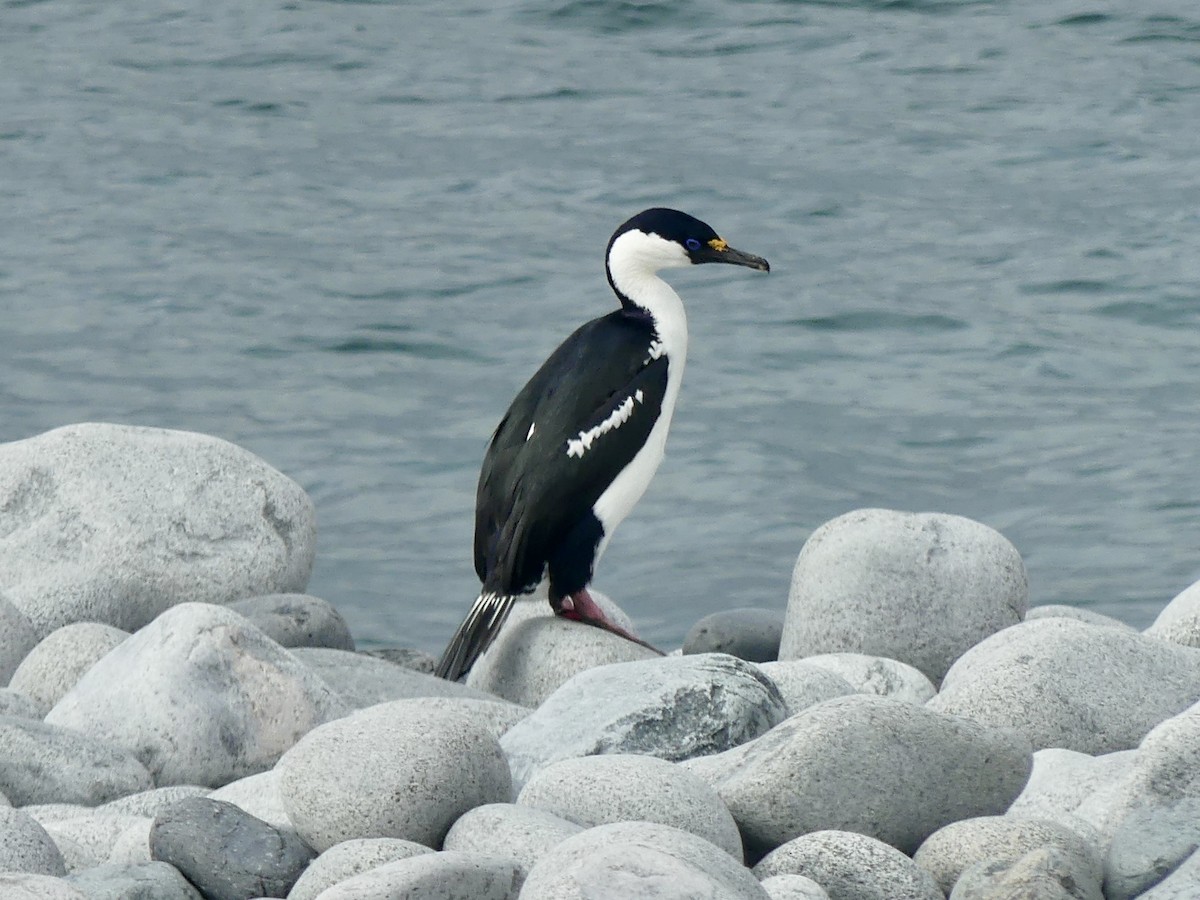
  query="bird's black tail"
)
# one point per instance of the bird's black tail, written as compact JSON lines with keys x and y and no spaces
{"x":474,"y":635}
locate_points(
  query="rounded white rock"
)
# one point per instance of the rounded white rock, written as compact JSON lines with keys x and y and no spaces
{"x":396,"y":769}
{"x":918,"y":587}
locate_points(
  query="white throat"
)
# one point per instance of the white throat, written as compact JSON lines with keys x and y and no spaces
{"x":633,"y":264}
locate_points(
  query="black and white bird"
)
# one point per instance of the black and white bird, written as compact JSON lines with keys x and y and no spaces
{"x":583,"y":438}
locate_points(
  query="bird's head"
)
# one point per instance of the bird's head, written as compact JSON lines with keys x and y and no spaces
{"x":667,"y":238}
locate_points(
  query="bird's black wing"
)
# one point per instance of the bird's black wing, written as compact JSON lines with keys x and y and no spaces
{"x":573,"y":427}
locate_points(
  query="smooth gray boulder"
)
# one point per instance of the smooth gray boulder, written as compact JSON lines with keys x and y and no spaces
{"x":749,"y":633}
{"x":793,"y":887}
{"x":851,"y":866}
{"x":877,"y":675}
{"x":147,"y":881}
{"x":1179,"y":620}
{"x":27,"y":886}
{"x":226,"y":853}
{"x":917,"y":587}
{"x":1003,"y":839}
{"x":520,"y":833}
{"x":132,"y":846}
{"x":497,"y":716}
{"x":536,"y":651}
{"x":349,"y":858}
{"x":409,"y":657}
{"x":450,"y":875}
{"x":1059,"y":611}
{"x":297,"y":620}
{"x":803,"y":685}
{"x":883,"y":767}
{"x":1047,"y":873}
{"x":42,"y":763}
{"x":670,"y":707}
{"x":1063,"y":683}
{"x":26,"y":847}
{"x":397,"y":769}
{"x":201,"y":696}
{"x":17,"y":636}
{"x":362,"y":680}
{"x":595,"y":790}
{"x":628,"y":859}
{"x":117,"y":523}
{"x":54,"y":666}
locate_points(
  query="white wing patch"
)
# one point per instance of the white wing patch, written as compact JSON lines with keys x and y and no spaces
{"x":656,"y":349}
{"x":618,"y":417}
{"x":532,"y":426}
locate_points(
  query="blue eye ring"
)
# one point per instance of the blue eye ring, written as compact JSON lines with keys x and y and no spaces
{"x":692,"y":244}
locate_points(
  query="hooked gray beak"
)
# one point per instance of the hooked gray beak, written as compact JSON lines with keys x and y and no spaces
{"x":720,"y":252}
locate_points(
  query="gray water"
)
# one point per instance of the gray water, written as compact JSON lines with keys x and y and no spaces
{"x":343,"y":235}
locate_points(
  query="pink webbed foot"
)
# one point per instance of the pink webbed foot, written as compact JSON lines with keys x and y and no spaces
{"x":580,"y":607}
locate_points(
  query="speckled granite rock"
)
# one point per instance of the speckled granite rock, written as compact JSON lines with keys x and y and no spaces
{"x":201,"y":695}
{"x":116,"y":523}
{"x":748,"y":633}
{"x":297,"y":620}
{"x":851,"y":866}
{"x":918,"y":587}
{"x":349,"y":858}
{"x":54,"y":666}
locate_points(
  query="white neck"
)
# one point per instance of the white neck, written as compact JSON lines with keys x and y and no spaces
{"x":633,"y":263}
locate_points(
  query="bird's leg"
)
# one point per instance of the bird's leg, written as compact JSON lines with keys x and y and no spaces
{"x":580,"y":607}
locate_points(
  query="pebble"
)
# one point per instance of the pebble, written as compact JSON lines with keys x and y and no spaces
{"x":14,"y":703}
{"x":202,"y":695}
{"x":362,"y":680}
{"x":877,"y":675}
{"x":26,"y":847}
{"x":349,"y":858}
{"x":1150,"y":817}
{"x":17,"y":636}
{"x":793,"y":887}
{"x":522,"y":834}
{"x":259,"y":796}
{"x":886,"y":768}
{"x":1047,"y":873}
{"x":397,"y":769}
{"x":226,"y":853}
{"x":629,"y":859}
{"x":147,"y":881}
{"x":43,"y":763}
{"x":748,"y":633}
{"x":1063,"y":683}
{"x":409,"y":657}
{"x":115,"y":523}
{"x":297,"y":620}
{"x":88,"y":840}
{"x":60,"y":659}
{"x":1078,"y":613}
{"x":1004,"y":839}
{"x":801,"y":684}
{"x":1179,"y":620}
{"x":670,"y":707}
{"x":450,"y":875}
{"x":27,"y":886}
{"x":536,"y":652}
{"x":595,"y":790}
{"x":921,"y":588}
{"x":851,"y":866}
{"x":1063,"y":788}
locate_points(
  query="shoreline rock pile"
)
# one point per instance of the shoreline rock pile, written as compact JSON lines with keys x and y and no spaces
{"x":179,"y":721}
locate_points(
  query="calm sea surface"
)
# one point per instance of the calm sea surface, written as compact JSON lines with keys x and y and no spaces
{"x":342,"y":235}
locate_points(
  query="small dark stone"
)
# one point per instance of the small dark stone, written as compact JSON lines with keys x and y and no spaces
{"x":418,"y":660}
{"x":749,"y":633}
{"x":226,"y":853}
{"x":297,"y":620}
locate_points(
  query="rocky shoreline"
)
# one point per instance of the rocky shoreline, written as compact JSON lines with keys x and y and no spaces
{"x":180,"y":720}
